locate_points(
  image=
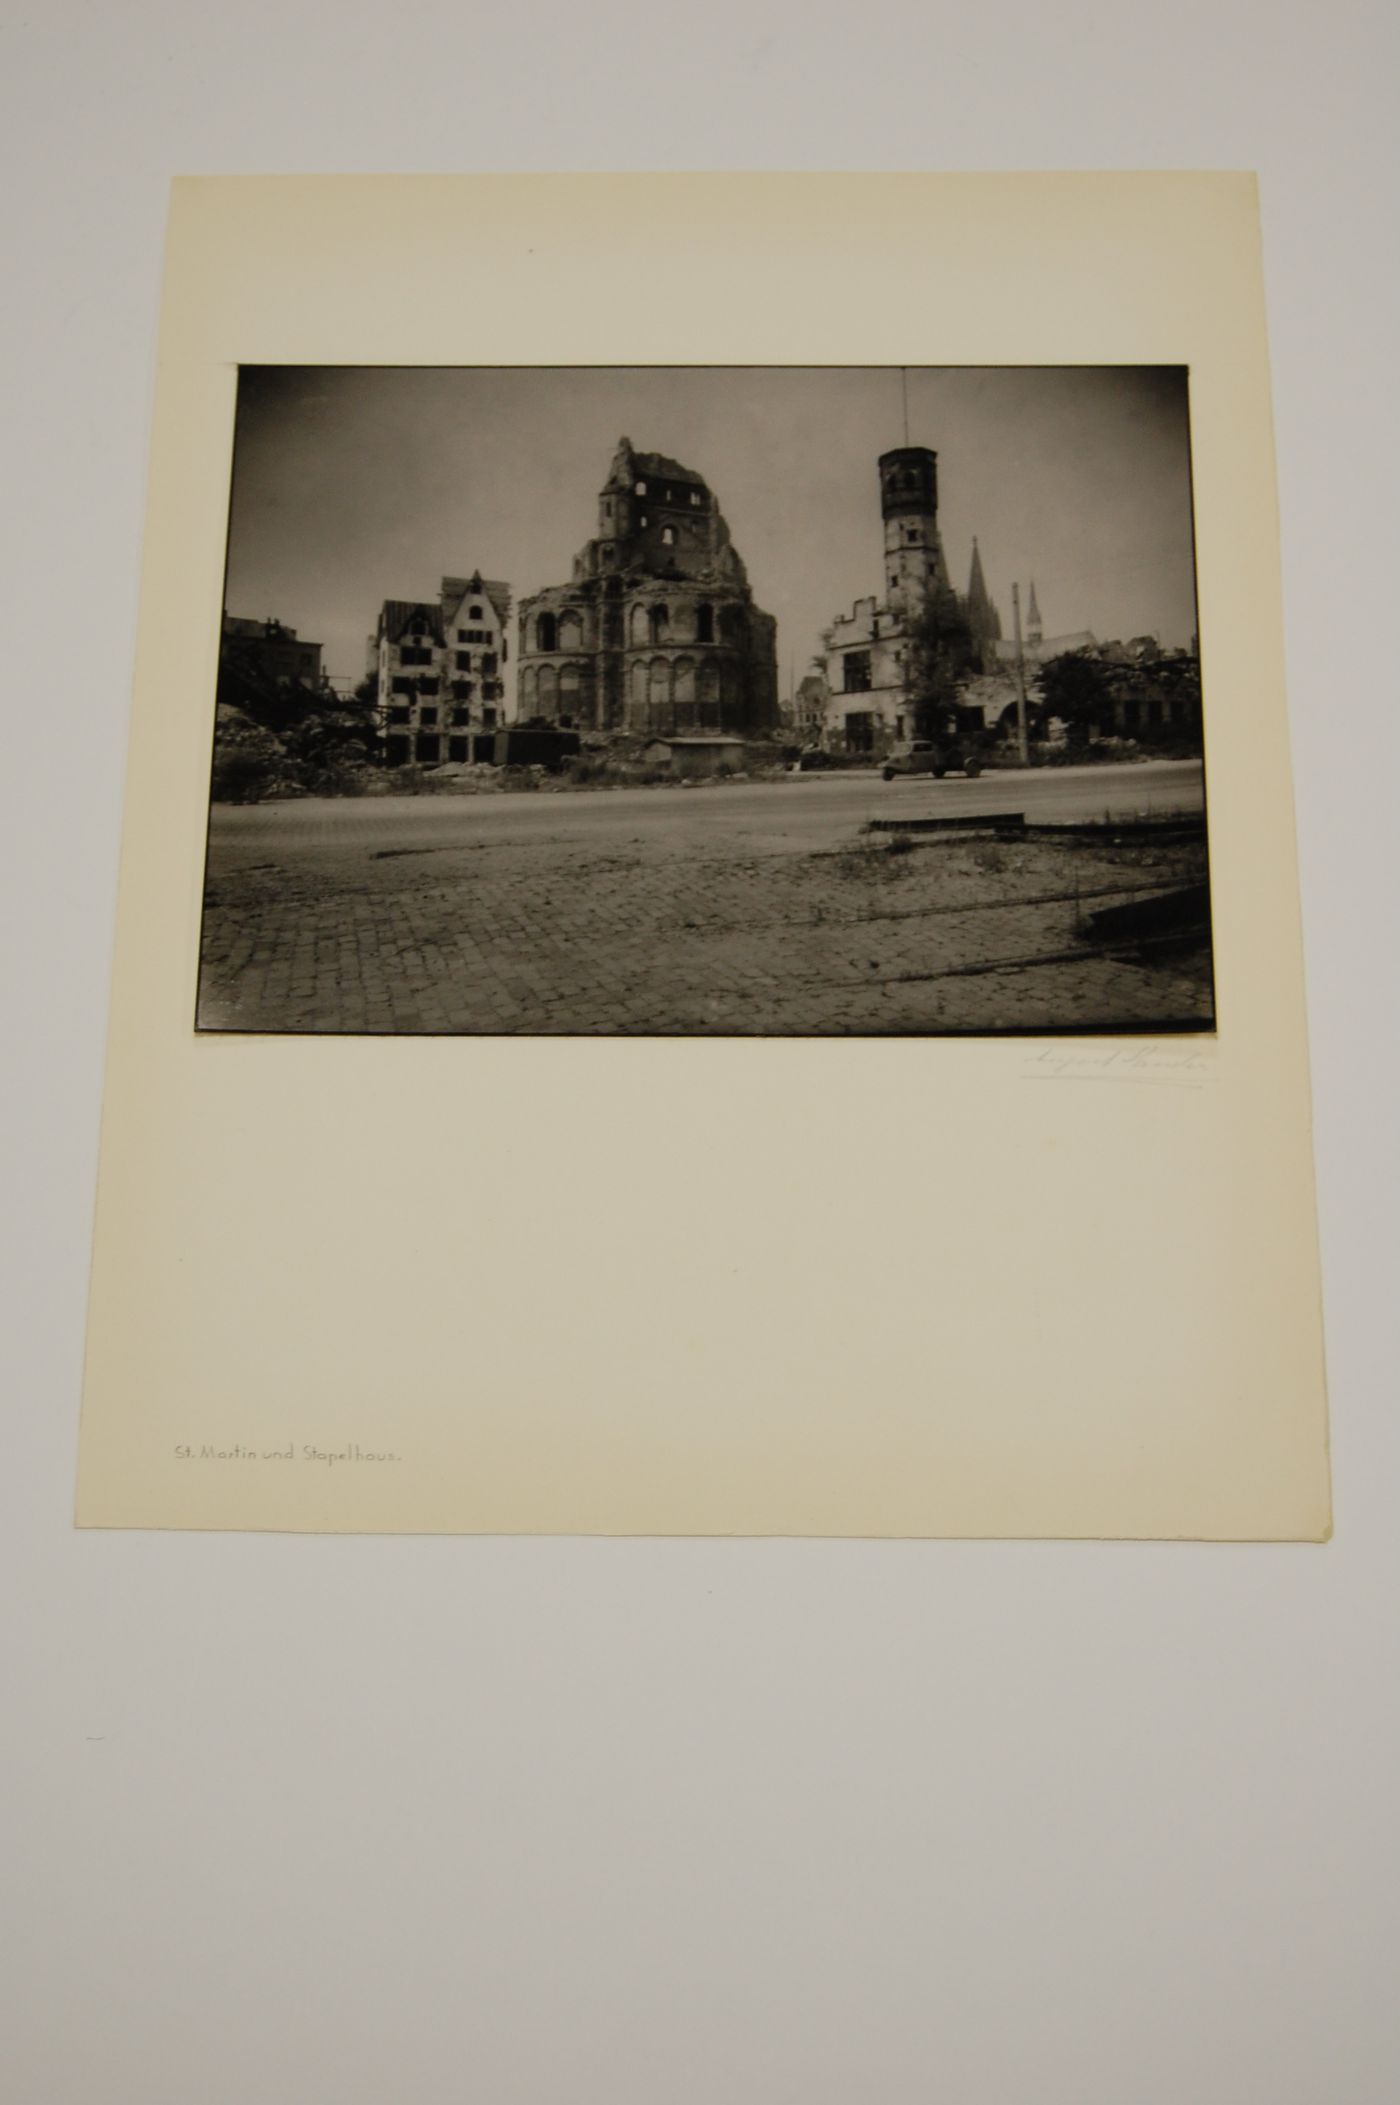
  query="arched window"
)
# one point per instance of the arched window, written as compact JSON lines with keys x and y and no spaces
{"x":709,"y":692}
{"x":659,"y":691}
{"x":528,"y":695}
{"x":657,"y":617}
{"x":668,"y":536}
{"x":546,"y":633}
{"x":684,"y":690}
{"x":640,"y":488}
{"x":548,"y":690}
{"x":704,"y":623}
{"x":639,"y":685}
{"x":570,"y":637}
{"x":569,"y":688}
{"x":638,"y":626}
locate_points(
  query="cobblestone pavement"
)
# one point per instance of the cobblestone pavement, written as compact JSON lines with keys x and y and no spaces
{"x":642,"y":928}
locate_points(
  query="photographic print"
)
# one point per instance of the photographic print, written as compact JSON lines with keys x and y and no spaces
{"x":731,"y":737}
{"x":709,"y":700}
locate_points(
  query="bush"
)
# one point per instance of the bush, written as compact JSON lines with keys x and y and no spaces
{"x":242,"y":777}
{"x":337,"y":779}
{"x":249,"y":763}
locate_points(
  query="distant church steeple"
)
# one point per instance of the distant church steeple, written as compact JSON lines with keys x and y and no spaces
{"x":978,"y":598}
{"x":982,"y":616}
{"x":1034,"y":632}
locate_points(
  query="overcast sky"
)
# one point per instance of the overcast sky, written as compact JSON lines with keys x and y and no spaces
{"x":354,"y":484}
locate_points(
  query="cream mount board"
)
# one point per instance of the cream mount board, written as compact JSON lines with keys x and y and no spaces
{"x":851,"y":1285}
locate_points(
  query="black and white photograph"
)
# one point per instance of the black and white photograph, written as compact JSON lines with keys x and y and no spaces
{"x":734,"y":701}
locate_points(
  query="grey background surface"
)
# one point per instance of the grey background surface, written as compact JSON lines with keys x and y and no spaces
{"x":304,"y":1820}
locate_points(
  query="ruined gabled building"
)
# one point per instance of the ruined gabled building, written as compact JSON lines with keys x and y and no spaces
{"x":657,"y":633}
{"x":270,"y":653}
{"x":439,"y":665}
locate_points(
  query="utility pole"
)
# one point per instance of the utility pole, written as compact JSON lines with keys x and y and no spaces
{"x":1021,"y":731}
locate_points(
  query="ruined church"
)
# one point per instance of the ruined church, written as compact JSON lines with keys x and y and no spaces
{"x":657,"y":633}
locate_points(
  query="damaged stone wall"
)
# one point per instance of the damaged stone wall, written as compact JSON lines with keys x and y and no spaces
{"x":657,"y":632}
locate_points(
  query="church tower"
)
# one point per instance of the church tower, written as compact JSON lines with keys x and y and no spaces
{"x":1034,"y":631}
{"x":982,"y":616}
{"x":914,"y":565}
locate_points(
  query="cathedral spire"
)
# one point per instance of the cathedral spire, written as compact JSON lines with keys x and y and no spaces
{"x":1033,"y":626}
{"x":982,"y":616}
{"x":977,"y":595}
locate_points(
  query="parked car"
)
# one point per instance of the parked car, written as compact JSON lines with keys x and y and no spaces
{"x":812,"y":757}
{"x":924,"y":756}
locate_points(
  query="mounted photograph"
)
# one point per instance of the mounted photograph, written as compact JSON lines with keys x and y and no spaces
{"x":709,"y":701}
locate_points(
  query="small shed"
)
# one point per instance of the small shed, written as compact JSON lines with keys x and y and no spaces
{"x":698,"y":756}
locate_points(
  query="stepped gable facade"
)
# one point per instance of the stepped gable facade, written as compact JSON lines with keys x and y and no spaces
{"x":439,"y":666}
{"x":657,"y":633}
